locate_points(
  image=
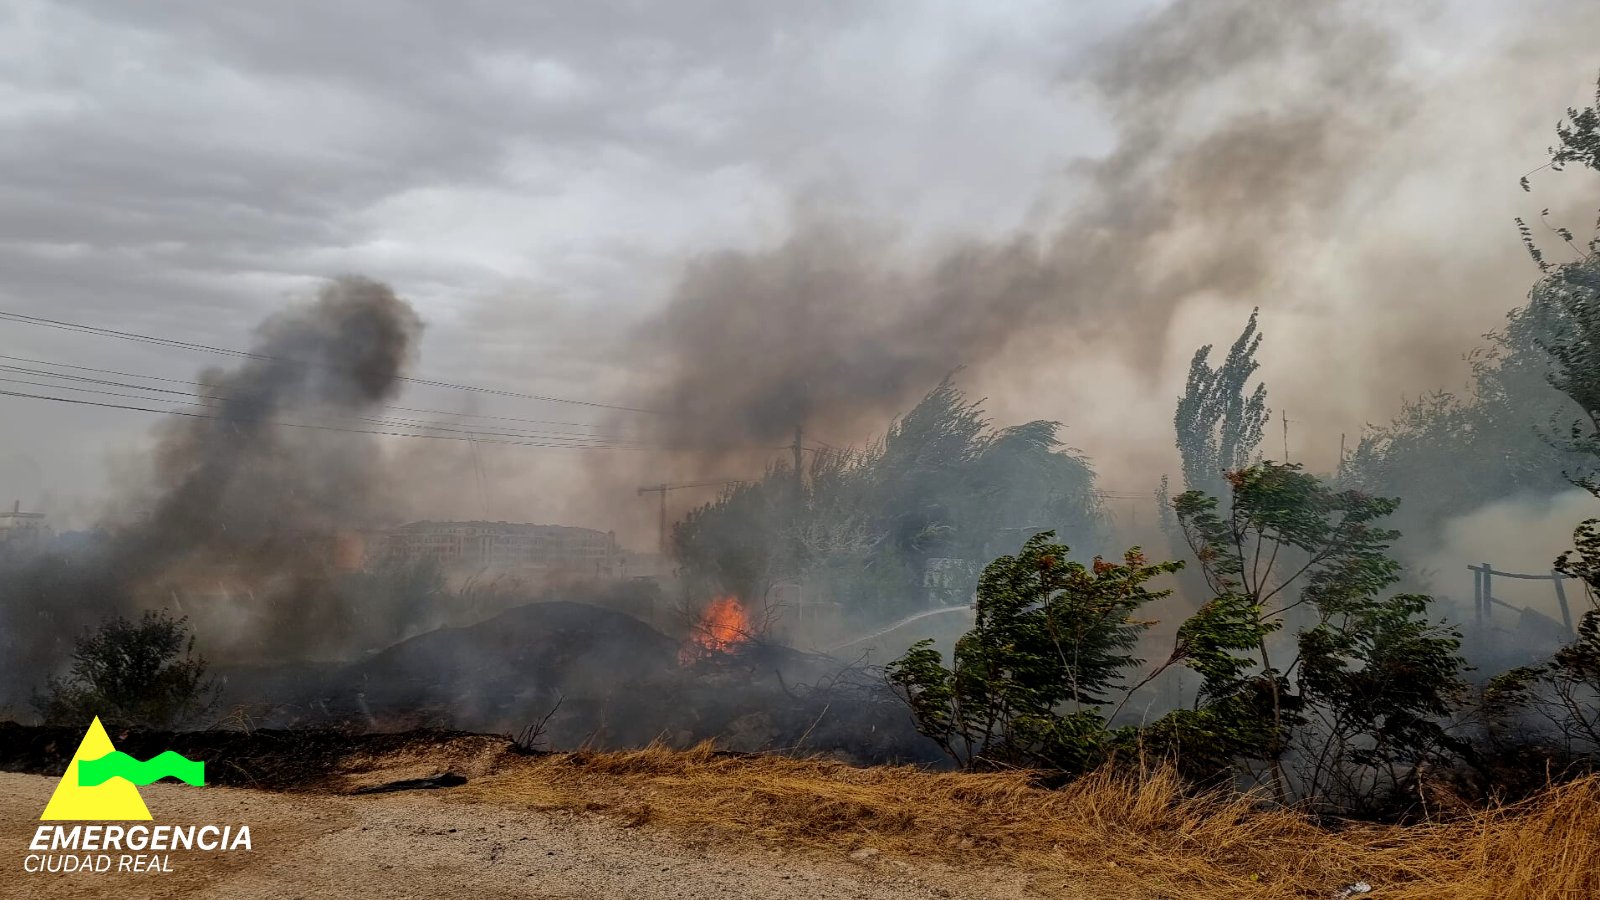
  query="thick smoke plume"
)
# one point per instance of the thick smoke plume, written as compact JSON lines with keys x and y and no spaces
{"x":242,"y":489}
{"x":1263,"y":155}
{"x":1517,"y":534}
{"x":840,"y":325}
{"x":247,"y":496}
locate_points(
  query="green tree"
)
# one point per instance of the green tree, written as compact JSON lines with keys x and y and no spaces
{"x":737,"y":543}
{"x":1567,"y":300}
{"x":1052,"y":639}
{"x":1529,"y":419}
{"x":1563,"y":694}
{"x":1558,"y":702}
{"x":934,"y":496}
{"x":1578,"y":138}
{"x":1363,"y":679}
{"x":1377,"y":683}
{"x":1446,"y":454}
{"x":142,"y":673}
{"x":1219,"y":424}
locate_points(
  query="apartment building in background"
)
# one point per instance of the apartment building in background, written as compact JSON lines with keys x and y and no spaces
{"x":541,"y":552}
{"x":23,"y":531}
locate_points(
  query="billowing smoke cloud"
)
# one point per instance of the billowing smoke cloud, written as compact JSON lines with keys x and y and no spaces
{"x":840,"y":325}
{"x":236,"y":524}
{"x":241,"y":488}
{"x":1264,"y":155}
{"x":1518,"y":534}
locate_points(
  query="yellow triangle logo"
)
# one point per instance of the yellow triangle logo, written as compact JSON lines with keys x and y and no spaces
{"x":116,"y":800}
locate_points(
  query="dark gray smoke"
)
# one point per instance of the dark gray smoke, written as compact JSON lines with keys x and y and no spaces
{"x":839,"y":326}
{"x":239,"y":521}
{"x":245,"y":491}
{"x":1333,"y":164}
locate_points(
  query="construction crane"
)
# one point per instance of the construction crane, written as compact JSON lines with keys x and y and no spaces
{"x":662,"y":489}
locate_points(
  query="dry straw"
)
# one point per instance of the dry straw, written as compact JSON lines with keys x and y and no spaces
{"x":1115,"y":834}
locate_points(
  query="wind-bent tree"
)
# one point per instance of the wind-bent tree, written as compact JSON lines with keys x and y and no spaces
{"x":1578,"y":138}
{"x":1219,"y":423}
{"x":1563,"y":694}
{"x":1448,"y":454}
{"x":1512,"y":431}
{"x":1569,"y":301}
{"x":1025,"y":686}
{"x":1313,"y":677}
{"x":1565,"y":691}
{"x":903,"y":523}
{"x":1357,"y":692}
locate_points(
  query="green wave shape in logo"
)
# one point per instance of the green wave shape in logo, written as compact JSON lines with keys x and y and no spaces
{"x":92,"y":772}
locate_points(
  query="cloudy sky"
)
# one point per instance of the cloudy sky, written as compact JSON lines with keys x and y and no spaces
{"x":535,"y":177}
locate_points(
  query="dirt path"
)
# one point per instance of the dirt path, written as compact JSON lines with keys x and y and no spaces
{"x":424,"y":845}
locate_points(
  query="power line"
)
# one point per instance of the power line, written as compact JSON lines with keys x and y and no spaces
{"x":191,"y":415}
{"x":469,"y":435}
{"x":595,"y":440}
{"x":247,"y":354}
{"x":437,"y":412}
{"x":517,"y":432}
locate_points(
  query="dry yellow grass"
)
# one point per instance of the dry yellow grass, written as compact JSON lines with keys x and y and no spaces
{"x":1125,"y":836}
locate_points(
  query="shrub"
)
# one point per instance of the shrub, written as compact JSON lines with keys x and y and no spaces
{"x":1026,"y":684}
{"x":142,"y":673}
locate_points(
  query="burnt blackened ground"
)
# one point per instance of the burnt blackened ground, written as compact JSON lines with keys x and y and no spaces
{"x":271,"y":759}
{"x":582,"y":676}
{"x":598,"y":679}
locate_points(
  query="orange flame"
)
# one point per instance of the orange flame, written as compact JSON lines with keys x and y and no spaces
{"x":721,"y":626}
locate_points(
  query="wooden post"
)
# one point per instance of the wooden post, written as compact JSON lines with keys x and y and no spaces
{"x":1561,"y":598}
{"x":1477,"y":594}
{"x":1488,"y":593}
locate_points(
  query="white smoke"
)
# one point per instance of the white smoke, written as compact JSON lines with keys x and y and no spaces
{"x":1521,"y":534}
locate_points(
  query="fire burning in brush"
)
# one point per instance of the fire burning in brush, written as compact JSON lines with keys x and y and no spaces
{"x":723,"y":625}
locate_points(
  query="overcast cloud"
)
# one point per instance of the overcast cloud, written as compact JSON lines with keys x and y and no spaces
{"x":535,"y":177}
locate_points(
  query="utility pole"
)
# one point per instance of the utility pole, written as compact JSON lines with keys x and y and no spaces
{"x":797,"y":512}
{"x":662,"y":489}
{"x":661,"y":524}
{"x":799,"y":479}
{"x":483,"y":493}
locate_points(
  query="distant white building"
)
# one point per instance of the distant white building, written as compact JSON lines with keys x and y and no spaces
{"x":23,"y":530}
{"x":510,"y":547}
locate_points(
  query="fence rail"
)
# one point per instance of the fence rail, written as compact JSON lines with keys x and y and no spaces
{"x":1483,"y":598}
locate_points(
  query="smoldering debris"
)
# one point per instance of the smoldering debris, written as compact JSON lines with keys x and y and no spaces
{"x":258,"y":758}
{"x":598,"y":679}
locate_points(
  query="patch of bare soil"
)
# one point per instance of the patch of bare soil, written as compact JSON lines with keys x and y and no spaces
{"x":705,"y":824}
{"x":427,"y":845}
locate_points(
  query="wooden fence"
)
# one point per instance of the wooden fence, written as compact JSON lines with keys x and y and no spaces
{"x":1483,"y":598}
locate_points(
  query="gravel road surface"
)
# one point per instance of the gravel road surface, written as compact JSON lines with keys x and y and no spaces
{"x":422,"y":844}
